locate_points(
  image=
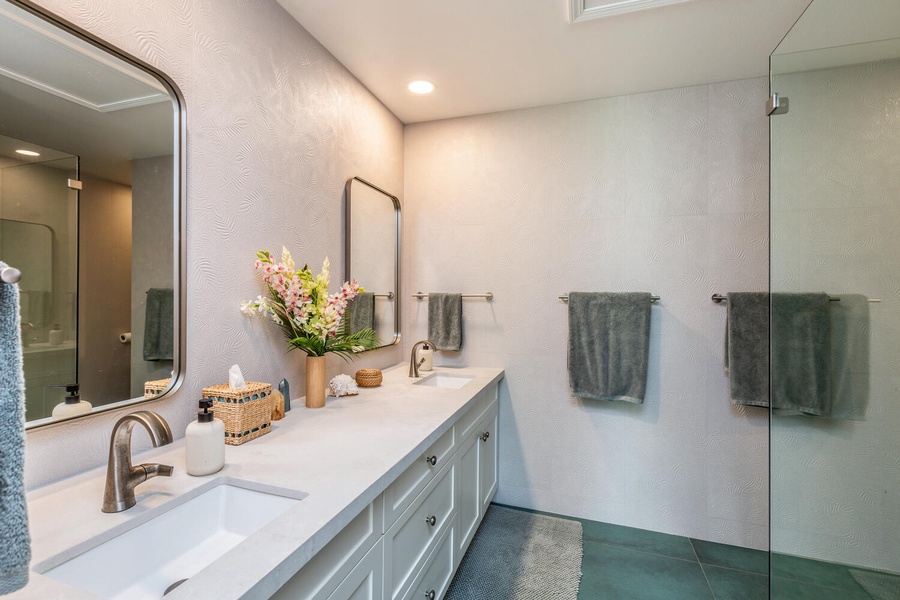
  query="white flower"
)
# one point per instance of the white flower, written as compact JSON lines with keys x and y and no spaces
{"x":248,"y":308}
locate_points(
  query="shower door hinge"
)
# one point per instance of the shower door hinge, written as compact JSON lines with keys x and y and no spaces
{"x":776,"y":105}
{"x":74,"y":184}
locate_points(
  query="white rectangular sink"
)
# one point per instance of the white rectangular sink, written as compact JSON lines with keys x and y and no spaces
{"x":445,"y":380}
{"x":174,"y":545}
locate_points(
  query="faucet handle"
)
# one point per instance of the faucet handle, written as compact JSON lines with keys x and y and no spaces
{"x":157,"y":470}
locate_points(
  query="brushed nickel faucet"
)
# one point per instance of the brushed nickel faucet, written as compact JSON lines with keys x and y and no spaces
{"x":413,"y":364}
{"x":121,"y":477}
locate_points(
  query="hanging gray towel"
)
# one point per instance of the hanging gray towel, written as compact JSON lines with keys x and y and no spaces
{"x":609,"y":345}
{"x":747,"y":347}
{"x":15,"y":542}
{"x":159,"y":334}
{"x":362,"y":312}
{"x":850,"y":357}
{"x":445,"y":321}
{"x":801,"y":353}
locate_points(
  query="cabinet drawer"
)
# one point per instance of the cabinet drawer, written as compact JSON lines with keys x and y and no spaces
{"x":471,"y":418}
{"x":438,"y":572}
{"x":365,"y":580}
{"x":413,"y":536}
{"x":400,"y":494}
{"x":321,"y":575}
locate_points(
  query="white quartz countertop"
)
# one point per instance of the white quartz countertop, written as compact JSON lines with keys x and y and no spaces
{"x":343,"y":456}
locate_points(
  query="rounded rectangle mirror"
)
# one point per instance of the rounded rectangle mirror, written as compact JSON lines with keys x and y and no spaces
{"x":372,"y":255}
{"x":91,"y":213}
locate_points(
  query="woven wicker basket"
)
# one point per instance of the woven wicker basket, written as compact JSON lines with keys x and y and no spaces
{"x":152,"y":389}
{"x":368,"y":378}
{"x":246,"y":411}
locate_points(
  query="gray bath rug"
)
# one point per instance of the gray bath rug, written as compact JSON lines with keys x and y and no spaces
{"x":881,"y":586}
{"x":517,"y":555}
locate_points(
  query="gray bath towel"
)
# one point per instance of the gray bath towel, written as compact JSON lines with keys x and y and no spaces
{"x":445,"y":321}
{"x":801,"y":353}
{"x":159,"y":334}
{"x":362,"y":312}
{"x":15,"y":542}
{"x":850,"y":357}
{"x":747,"y":347}
{"x":609,"y":345}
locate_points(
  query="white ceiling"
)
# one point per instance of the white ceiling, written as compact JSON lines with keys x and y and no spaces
{"x":490,"y":55}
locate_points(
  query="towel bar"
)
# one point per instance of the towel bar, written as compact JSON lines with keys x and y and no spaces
{"x":487,"y":296}
{"x":10,"y":275}
{"x":389,"y":295}
{"x":565,"y":298}
{"x":719,"y":298}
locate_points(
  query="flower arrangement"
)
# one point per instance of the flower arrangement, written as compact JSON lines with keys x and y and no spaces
{"x":299,"y":303}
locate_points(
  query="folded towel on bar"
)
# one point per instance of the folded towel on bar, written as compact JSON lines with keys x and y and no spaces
{"x":747,"y":347}
{"x":801,"y":353}
{"x":159,"y":323}
{"x":362,"y":312}
{"x":609,"y":345}
{"x":850,"y":357}
{"x":15,"y":542}
{"x":445,"y":321}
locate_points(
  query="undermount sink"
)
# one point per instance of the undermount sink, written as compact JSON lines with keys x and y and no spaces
{"x":444,"y":380}
{"x":148,"y":559}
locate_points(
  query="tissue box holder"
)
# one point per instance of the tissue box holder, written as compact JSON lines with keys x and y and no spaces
{"x":152,"y":389}
{"x":246,"y":412}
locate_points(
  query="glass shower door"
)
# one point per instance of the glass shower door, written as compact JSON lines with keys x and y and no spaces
{"x":835,"y":217}
{"x":39,"y":236}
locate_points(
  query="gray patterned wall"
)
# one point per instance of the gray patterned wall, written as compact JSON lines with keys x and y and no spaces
{"x":663,"y":192}
{"x":275,"y":127}
{"x":835,"y":218}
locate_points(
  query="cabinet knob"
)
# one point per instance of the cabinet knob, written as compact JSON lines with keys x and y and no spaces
{"x":431,"y":460}
{"x":429,"y":595}
{"x":485,"y":436}
{"x":432,"y":520}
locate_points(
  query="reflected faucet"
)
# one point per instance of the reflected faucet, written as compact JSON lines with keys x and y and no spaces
{"x":121,"y":477}
{"x":413,"y":364}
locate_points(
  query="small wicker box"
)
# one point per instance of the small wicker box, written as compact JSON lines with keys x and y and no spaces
{"x":152,"y":389}
{"x":368,"y":378}
{"x":246,"y":411}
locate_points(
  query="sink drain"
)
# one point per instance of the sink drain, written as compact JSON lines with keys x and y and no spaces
{"x":173,"y":586}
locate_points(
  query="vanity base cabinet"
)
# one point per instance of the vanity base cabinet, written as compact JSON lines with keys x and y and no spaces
{"x":407,"y":544}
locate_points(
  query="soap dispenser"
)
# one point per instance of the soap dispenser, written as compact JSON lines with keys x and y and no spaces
{"x":204,"y":442}
{"x":426,"y":355}
{"x":72,"y":405}
{"x":56,"y":335}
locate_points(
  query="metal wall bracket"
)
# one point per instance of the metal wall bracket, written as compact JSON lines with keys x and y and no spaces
{"x":776,"y":105}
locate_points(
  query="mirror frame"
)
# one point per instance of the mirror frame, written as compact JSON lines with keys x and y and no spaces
{"x":179,"y":196}
{"x":348,"y":273}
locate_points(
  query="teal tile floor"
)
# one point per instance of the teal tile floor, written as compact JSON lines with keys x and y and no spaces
{"x":623,"y":563}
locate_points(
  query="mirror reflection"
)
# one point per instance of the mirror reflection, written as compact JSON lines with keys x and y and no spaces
{"x":89,"y":193}
{"x":372,"y":258}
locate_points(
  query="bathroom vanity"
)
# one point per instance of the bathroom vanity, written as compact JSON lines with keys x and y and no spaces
{"x":387,"y":489}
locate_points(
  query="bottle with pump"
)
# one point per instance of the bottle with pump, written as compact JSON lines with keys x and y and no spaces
{"x":204,"y":442}
{"x":56,"y":335}
{"x":72,"y":405}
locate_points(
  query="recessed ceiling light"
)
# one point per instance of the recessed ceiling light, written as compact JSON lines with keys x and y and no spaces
{"x":420,"y":87}
{"x":28,"y":152}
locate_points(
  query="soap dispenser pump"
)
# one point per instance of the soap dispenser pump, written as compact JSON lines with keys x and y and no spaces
{"x":72,"y":405}
{"x":204,"y":442}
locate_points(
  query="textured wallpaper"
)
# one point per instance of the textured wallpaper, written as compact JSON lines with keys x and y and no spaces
{"x":835,"y":217}
{"x":275,"y":128}
{"x":664,"y":192}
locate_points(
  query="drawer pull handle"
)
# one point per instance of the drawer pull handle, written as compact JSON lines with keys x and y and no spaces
{"x":485,"y":436}
{"x":429,"y":595}
{"x":431,"y":460}
{"x":432,"y":520}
